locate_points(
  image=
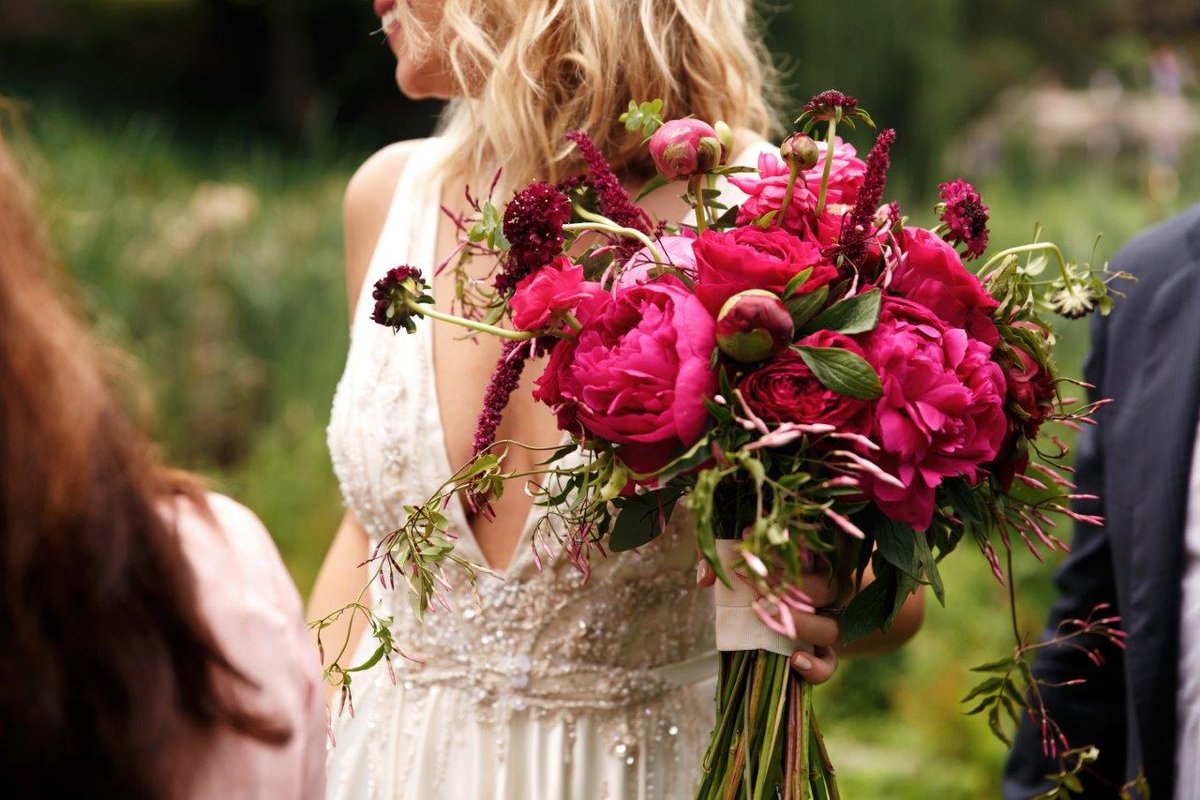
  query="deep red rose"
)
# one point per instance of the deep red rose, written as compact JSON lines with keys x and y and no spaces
{"x":1028,"y":402}
{"x":728,"y":262}
{"x":785,"y":390}
{"x":932,"y":274}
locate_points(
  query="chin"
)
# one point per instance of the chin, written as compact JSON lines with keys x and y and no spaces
{"x":417,"y":84}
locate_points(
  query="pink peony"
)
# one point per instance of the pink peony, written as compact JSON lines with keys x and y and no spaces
{"x":766,"y":189}
{"x":556,"y":287}
{"x":785,"y":390}
{"x":728,"y":262}
{"x":682,"y":148}
{"x":637,"y":374}
{"x":675,"y":251}
{"x":931,"y":273}
{"x":942,"y":410}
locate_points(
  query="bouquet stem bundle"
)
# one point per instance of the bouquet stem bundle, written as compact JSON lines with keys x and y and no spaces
{"x":766,"y":742}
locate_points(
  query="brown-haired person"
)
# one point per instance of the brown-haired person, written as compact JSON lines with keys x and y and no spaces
{"x":151,"y":643}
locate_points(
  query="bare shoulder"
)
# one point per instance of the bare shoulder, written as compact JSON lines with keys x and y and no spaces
{"x":747,"y":144}
{"x":365,"y":208}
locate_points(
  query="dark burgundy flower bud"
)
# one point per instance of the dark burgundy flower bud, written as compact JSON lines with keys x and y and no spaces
{"x":754,"y":325}
{"x":395,"y":295}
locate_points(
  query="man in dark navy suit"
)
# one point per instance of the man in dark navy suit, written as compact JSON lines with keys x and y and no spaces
{"x":1141,"y":707}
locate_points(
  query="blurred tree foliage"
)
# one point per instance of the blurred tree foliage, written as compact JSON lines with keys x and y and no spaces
{"x":311,"y":68}
{"x":926,"y":67}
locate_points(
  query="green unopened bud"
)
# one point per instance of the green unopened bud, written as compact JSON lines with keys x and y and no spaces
{"x":725,"y":137}
{"x":800,"y":151}
{"x":754,"y":325}
{"x":615,"y":484}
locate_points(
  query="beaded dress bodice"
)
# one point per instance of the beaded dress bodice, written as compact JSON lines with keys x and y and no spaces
{"x":536,"y":640}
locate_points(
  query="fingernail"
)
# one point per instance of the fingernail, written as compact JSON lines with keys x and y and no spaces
{"x":801,"y":662}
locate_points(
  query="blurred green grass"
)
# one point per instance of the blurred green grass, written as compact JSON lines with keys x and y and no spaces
{"x":219,"y":268}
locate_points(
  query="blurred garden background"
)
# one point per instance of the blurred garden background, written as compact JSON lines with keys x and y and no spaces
{"x":192,"y":155}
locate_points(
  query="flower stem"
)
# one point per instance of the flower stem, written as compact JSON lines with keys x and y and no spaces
{"x":463,"y":322}
{"x":793,"y":174}
{"x":829,"y":140}
{"x":697,"y":187}
{"x":1035,"y":247}
{"x":605,"y":225}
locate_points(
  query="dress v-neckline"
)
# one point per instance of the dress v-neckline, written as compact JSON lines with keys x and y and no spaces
{"x":462,"y":525}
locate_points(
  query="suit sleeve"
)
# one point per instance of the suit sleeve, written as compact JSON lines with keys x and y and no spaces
{"x":1093,"y":712}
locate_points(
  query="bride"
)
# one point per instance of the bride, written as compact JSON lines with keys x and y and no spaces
{"x":543,"y":686}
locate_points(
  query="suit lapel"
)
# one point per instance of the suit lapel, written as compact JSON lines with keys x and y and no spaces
{"x":1166,"y":417}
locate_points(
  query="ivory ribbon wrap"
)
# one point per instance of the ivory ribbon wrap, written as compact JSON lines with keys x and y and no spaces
{"x":738,"y":627}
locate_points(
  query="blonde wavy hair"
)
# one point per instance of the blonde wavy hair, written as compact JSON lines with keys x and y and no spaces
{"x":530,"y":71}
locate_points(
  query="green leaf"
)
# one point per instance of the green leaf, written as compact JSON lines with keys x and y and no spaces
{"x":641,"y":519}
{"x":793,"y":286}
{"x":895,"y":542}
{"x":803,"y":307}
{"x":700,"y":501}
{"x":1002,"y":666}
{"x":929,"y":567}
{"x":857,"y":314}
{"x":727,"y":219}
{"x":870,"y":608}
{"x":842,"y":371}
{"x":657,"y":182}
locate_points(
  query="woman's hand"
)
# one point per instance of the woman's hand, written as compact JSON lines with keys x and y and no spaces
{"x":822,"y":632}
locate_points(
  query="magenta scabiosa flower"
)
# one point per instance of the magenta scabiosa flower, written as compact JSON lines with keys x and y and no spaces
{"x":823,"y":106}
{"x":965,"y":217}
{"x":533,"y":225}
{"x":394,"y":295}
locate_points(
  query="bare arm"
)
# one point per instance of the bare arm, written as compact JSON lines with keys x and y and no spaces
{"x":339,"y":582}
{"x":343,"y":575}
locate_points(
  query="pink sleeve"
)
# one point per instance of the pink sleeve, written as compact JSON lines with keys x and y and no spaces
{"x":256,"y":614}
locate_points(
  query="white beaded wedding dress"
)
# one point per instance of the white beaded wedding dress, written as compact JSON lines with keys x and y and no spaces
{"x":546,"y":687}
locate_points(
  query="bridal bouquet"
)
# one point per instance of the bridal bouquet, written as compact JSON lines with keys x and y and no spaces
{"x":829,"y":390}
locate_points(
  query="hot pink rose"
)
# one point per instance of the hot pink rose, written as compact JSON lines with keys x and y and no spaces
{"x":682,"y":148}
{"x":785,"y":390}
{"x":766,"y":190}
{"x":932,"y":274}
{"x":942,"y":410}
{"x":637,"y":374}
{"x":674,"y":251}
{"x":728,"y":262}
{"x":558,"y":286}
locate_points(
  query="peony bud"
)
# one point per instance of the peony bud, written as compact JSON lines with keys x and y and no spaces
{"x":754,"y":325}
{"x":800,"y":151}
{"x":682,"y":148}
{"x":725,"y":136}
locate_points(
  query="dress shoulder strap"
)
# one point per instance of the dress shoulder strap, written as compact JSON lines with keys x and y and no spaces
{"x":409,"y":234}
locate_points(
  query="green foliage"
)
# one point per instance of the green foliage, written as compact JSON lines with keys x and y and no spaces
{"x":841,"y":371}
{"x":858,"y":314}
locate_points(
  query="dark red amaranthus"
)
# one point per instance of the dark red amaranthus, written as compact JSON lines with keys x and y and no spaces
{"x":859,"y":225}
{"x":505,"y":379}
{"x":611,"y":197}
